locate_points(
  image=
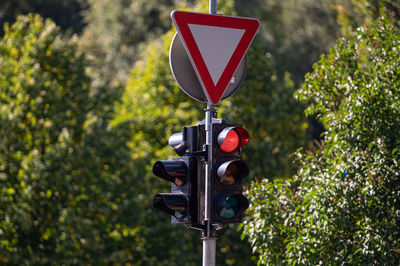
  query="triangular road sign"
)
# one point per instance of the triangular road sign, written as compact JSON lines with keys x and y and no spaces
{"x":215,"y":45}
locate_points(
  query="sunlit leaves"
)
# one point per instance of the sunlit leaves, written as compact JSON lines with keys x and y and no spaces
{"x":342,"y":205}
{"x":62,"y":165}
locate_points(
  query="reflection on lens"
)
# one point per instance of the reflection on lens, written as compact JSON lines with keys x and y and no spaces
{"x":230,"y":209}
{"x":178,"y":215}
{"x":178,"y":182}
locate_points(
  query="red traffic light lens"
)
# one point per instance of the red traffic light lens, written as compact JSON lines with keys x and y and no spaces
{"x":232,"y":138}
{"x":230,"y":142}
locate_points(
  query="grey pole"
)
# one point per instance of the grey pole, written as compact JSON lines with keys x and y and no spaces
{"x":209,"y":246}
{"x":210,"y":112}
{"x":209,"y":239}
{"x":213,"y":7}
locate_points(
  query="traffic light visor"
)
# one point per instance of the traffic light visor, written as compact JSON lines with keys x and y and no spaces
{"x":232,"y":138}
{"x":176,"y":141}
{"x":173,"y":171}
{"x":174,"y":204}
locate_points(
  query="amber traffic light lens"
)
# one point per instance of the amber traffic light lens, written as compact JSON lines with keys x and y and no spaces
{"x":230,"y":176}
{"x":231,"y":172}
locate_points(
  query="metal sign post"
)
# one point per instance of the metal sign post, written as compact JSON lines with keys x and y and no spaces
{"x":213,"y":7}
{"x":208,"y":61}
{"x":209,"y":238}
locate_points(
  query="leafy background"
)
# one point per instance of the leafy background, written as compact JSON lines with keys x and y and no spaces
{"x":87,"y":103}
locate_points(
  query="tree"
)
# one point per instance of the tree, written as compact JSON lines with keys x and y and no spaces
{"x":65,"y":13}
{"x":66,"y":196}
{"x":116,"y":32}
{"x":274,"y":120}
{"x":155,"y":106}
{"x":295,"y":32}
{"x":366,"y":12}
{"x":341,"y":206}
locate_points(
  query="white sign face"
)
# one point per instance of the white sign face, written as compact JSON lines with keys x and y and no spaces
{"x":186,"y":77}
{"x":215,"y":46}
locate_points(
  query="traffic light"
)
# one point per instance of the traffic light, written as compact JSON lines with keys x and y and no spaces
{"x":186,"y":201}
{"x":177,"y":172}
{"x":182,"y":202}
{"x":228,"y":172}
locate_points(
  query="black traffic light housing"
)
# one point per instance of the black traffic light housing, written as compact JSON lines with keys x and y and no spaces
{"x":175,"y":203}
{"x":229,"y":170}
{"x":186,"y":202}
{"x":183,"y":201}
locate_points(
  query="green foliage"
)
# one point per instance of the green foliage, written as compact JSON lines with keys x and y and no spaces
{"x":295,"y":32}
{"x":156,"y":108}
{"x":116,"y":31}
{"x":266,"y":107}
{"x":65,"y":13}
{"x":75,"y":167}
{"x":342,"y":205}
{"x":365,"y":12}
{"x":65,"y":187}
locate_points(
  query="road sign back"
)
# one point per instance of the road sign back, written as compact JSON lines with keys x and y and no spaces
{"x":215,"y":45}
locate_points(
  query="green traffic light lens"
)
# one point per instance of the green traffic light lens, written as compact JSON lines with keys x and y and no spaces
{"x":230,"y":208}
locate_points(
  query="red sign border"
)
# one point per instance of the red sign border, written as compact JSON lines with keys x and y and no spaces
{"x":182,"y":19}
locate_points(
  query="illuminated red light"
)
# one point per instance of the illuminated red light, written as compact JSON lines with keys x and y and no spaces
{"x":231,"y":141}
{"x":232,"y":138}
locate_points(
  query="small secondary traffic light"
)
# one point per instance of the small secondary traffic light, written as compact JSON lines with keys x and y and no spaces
{"x":182,"y":172}
{"x":228,"y":172}
{"x":177,"y":172}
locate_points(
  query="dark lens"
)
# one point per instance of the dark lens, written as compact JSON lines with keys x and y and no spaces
{"x":230,"y":209}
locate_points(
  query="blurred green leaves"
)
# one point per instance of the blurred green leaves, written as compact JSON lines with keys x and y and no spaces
{"x":61,"y":174}
{"x":77,"y":143}
{"x":341,"y":206}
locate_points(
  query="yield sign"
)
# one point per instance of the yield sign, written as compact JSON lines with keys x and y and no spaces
{"x":215,"y":45}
